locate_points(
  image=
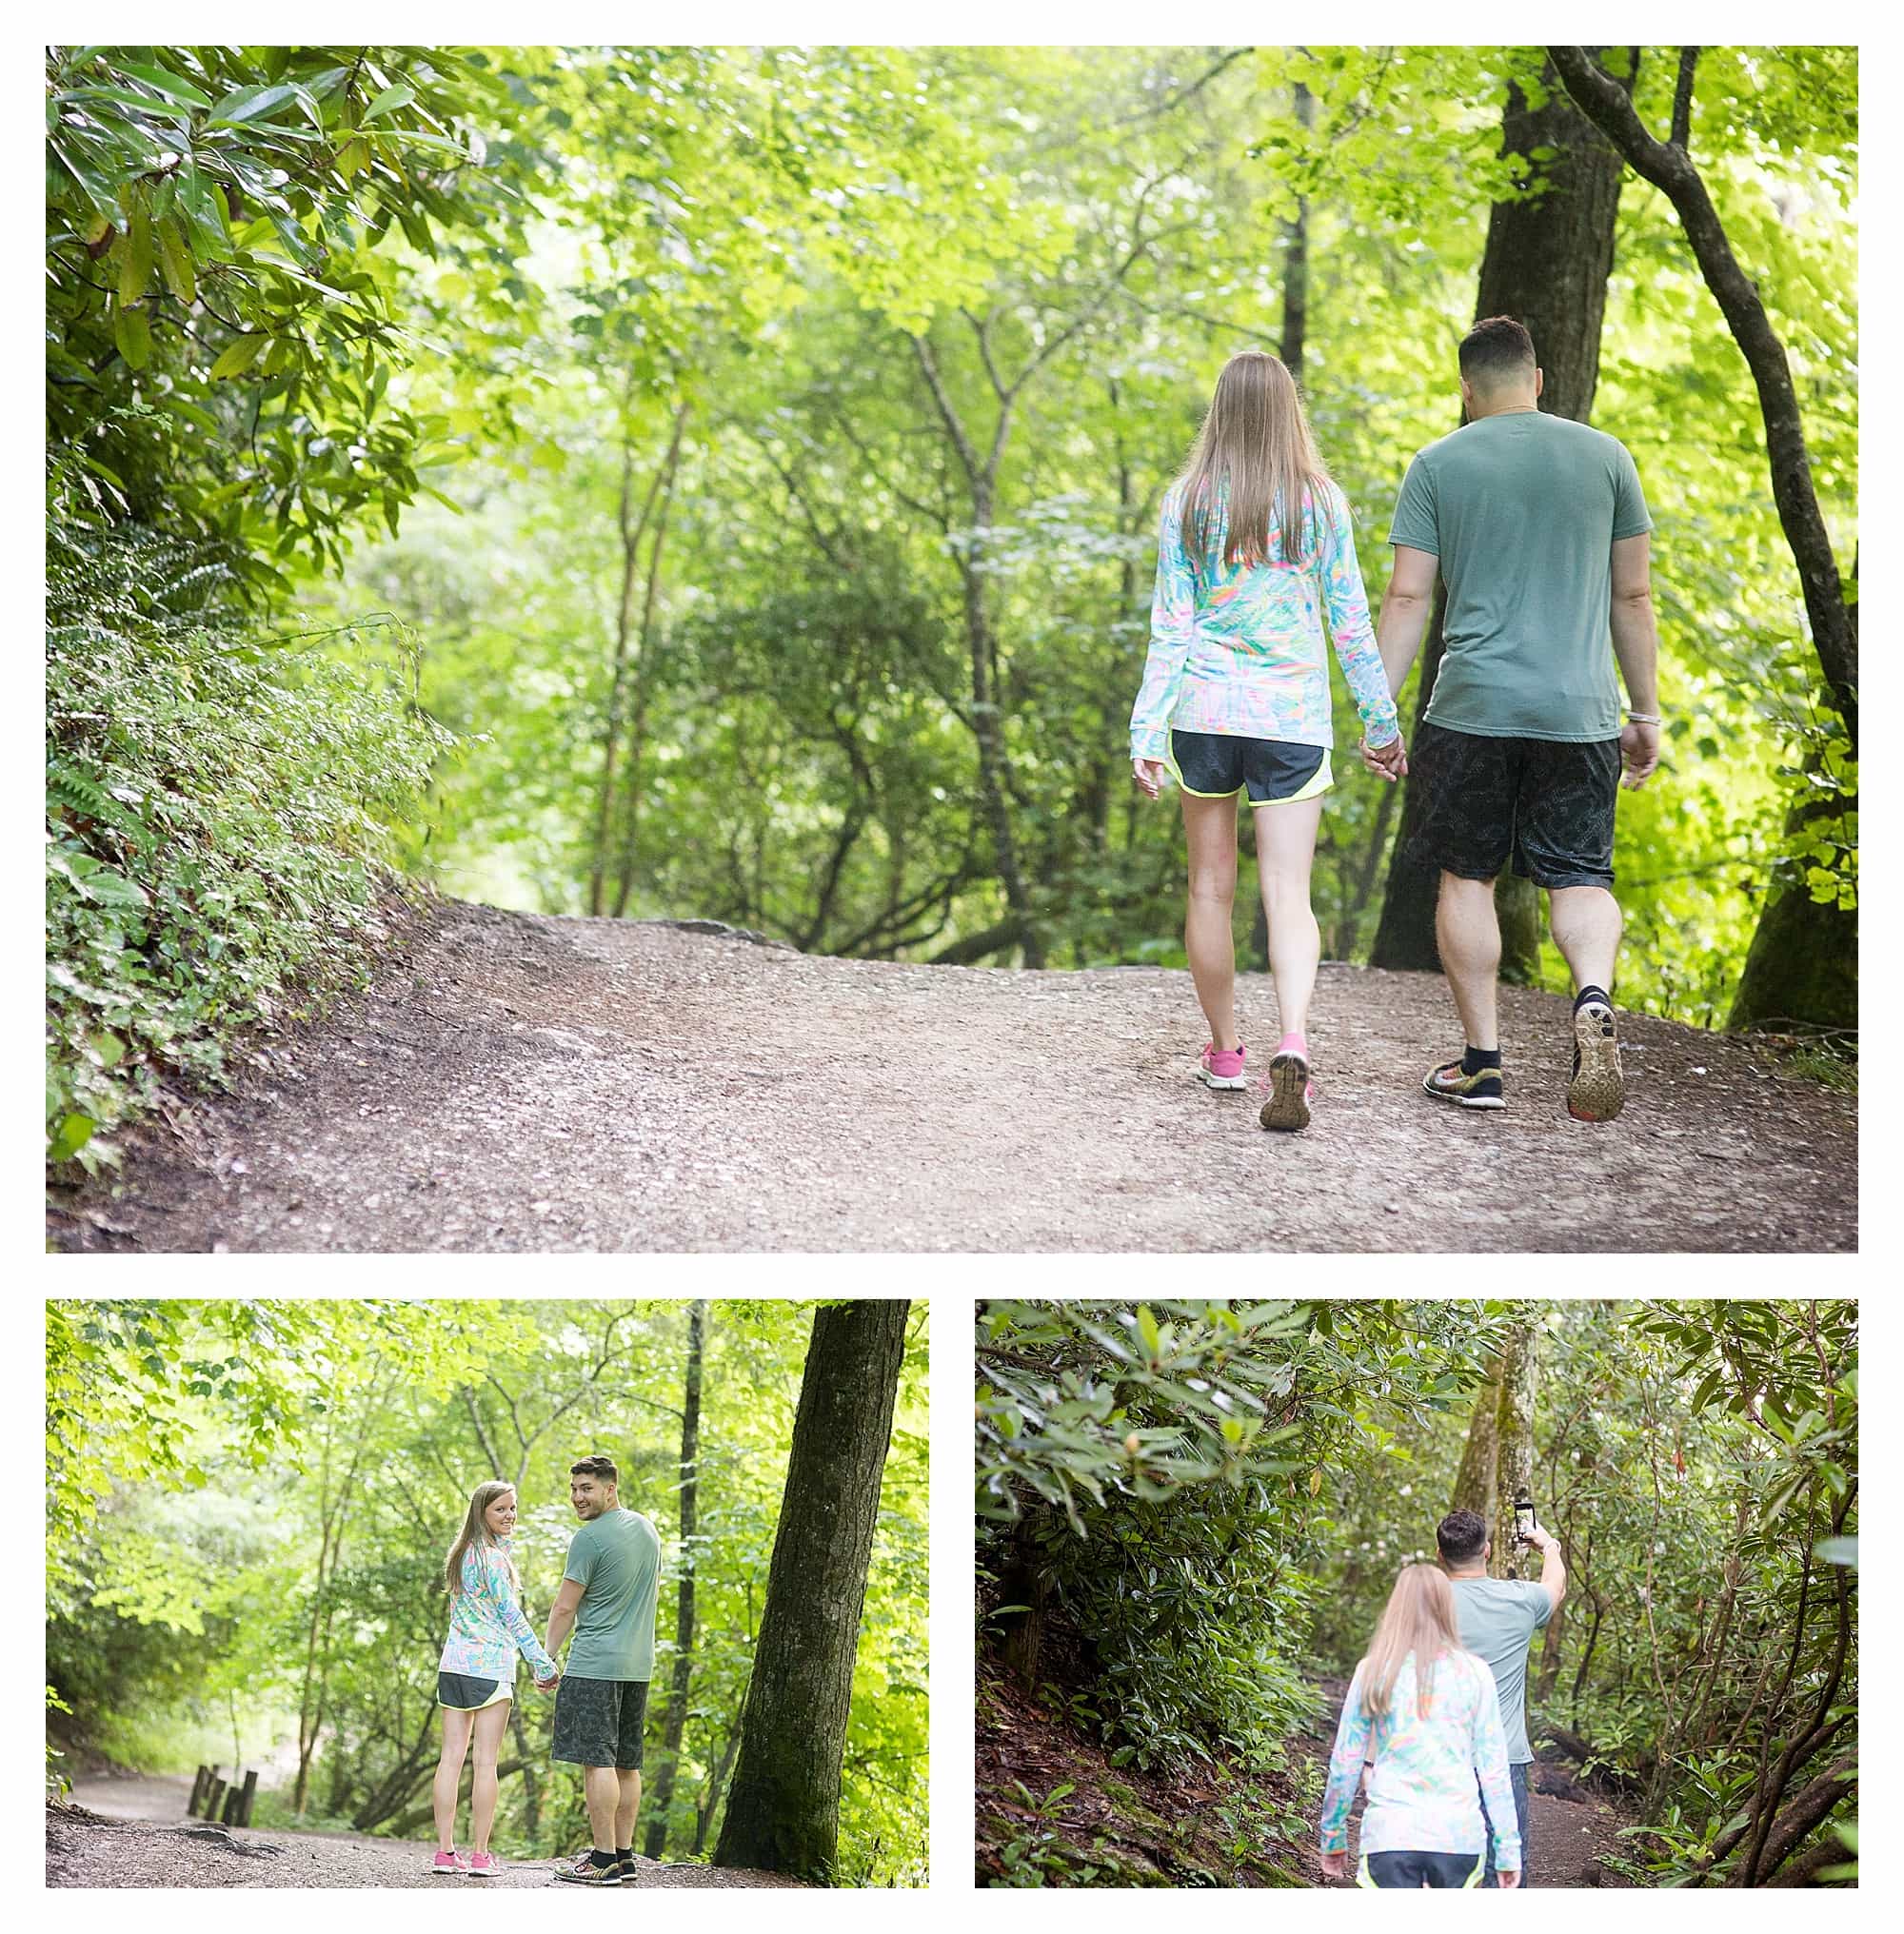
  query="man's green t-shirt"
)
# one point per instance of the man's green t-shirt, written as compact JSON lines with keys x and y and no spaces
{"x":616,"y":1559}
{"x":1524,"y":510}
{"x":1498,"y":1618}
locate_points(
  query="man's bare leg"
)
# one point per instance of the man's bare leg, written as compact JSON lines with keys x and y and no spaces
{"x":1468,"y":935}
{"x":628,"y":1806}
{"x":601,"y":1795}
{"x":1587,"y":927}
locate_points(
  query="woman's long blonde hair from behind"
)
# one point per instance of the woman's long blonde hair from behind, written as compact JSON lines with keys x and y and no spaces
{"x":1419,"y":1619}
{"x":1255,"y":449}
{"x":476,"y":1531}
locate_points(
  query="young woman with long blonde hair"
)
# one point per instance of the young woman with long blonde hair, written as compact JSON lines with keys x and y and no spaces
{"x":1254,"y":546}
{"x":476,"y":1675}
{"x":1429,"y":1714}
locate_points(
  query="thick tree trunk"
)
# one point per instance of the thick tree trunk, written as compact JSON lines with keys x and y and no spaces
{"x":1480,"y":1455}
{"x":1513,"y":1428}
{"x":784,"y":1811}
{"x":1546,"y":263}
{"x":1801,"y":968}
{"x":676,"y":1722}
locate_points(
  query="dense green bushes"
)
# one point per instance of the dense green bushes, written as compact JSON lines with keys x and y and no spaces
{"x":218,"y":805}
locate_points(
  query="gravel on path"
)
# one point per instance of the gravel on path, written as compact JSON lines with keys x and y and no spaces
{"x":515,"y":1082}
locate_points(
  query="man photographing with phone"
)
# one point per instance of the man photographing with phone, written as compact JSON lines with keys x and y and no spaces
{"x":1497,"y":1619}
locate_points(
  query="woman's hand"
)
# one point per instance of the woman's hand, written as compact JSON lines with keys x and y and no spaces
{"x":1388,"y":761}
{"x":1335,"y":1865}
{"x":1149,"y":774}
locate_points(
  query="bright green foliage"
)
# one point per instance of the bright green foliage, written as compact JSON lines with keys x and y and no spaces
{"x":1150,"y":1479}
{"x":222,"y":326}
{"x":1175,"y":1592}
{"x":218,"y":803}
{"x":250,"y":1504}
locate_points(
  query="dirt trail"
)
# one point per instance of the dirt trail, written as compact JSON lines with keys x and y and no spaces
{"x":1570,"y":1830}
{"x":514,"y":1082}
{"x":134,"y":1833}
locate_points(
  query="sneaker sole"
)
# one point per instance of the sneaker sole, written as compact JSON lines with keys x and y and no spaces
{"x":1288,"y":1105}
{"x":1226,"y":1082}
{"x":1464,"y":1100}
{"x":1598,"y":1093}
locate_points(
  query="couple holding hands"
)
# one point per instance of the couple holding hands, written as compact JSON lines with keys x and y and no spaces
{"x":1538,"y":532}
{"x":607,"y":1601}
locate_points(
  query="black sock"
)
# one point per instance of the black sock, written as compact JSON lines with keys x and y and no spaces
{"x":625,"y":1853}
{"x":1474,"y":1059}
{"x":1592,"y":993}
{"x":600,"y":1858}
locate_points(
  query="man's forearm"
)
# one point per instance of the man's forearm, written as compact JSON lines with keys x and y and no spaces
{"x":1636,"y":644}
{"x":1397,"y":635}
{"x":1554,"y":1573}
{"x":560,"y":1623}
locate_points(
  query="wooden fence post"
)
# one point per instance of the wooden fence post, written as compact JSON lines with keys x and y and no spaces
{"x":198,"y":1787}
{"x":213,"y":1794}
{"x":248,"y":1796}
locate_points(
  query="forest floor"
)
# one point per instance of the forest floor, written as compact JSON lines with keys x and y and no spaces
{"x":517,"y":1082}
{"x":134,"y":1832}
{"x":1053,"y":1811}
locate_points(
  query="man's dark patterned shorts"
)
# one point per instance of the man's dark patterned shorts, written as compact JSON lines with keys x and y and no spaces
{"x":598,"y":1722}
{"x":1545,"y":803}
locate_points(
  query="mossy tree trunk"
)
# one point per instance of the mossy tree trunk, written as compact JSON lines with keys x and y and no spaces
{"x":784,"y":1810}
{"x":1514,"y":1433}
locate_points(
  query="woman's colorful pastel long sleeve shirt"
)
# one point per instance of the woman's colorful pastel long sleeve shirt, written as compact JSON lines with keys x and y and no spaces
{"x":1239,"y":649}
{"x":1429,"y":1773}
{"x":487,"y":1625}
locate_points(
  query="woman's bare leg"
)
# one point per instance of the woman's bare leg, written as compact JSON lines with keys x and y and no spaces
{"x":490,"y":1724}
{"x":1285,"y":850}
{"x":1210,"y":832}
{"x":456,"y":1728}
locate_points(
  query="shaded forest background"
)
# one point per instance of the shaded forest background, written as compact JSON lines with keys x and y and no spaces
{"x":1190,"y":1516}
{"x":248,"y":1506}
{"x":685,"y":482}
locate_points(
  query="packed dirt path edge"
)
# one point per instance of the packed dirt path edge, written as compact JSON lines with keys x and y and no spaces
{"x":521,"y":1082}
{"x":84,"y":1850}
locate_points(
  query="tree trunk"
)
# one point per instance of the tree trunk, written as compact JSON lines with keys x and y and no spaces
{"x":1513,"y":1428}
{"x":1801,"y":968}
{"x":676,"y":1721}
{"x":784,"y":1810}
{"x":1546,"y":263}
{"x":624,"y":876}
{"x":1480,"y":1455}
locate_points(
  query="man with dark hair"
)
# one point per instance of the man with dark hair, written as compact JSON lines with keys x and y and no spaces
{"x":1540,"y":532}
{"x":609,"y":1596}
{"x":1498,"y":1618}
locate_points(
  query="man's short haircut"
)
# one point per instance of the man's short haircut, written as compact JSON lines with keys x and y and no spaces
{"x":1462,"y":1536}
{"x":603,"y":1467}
{"x":1496,"y":348}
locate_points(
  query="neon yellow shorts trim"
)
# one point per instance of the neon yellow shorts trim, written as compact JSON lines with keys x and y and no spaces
{"x":1319,"y":781}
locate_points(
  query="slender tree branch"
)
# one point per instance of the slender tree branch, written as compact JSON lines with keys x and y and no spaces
{"x":1682,"y":100}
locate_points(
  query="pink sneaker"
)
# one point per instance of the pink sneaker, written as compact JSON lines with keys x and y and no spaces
{"x":450,"y":1863}
{"x":1291,"y":1090}
{"x":1221,"y":1067}
{"x":483,"y":1866}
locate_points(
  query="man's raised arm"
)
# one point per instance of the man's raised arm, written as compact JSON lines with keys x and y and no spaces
{"x":1552,"y":1566}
